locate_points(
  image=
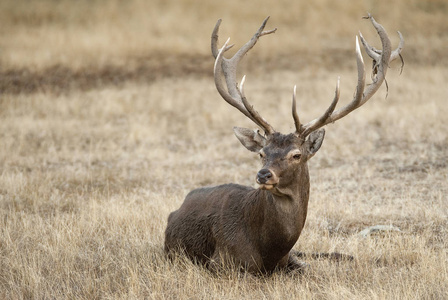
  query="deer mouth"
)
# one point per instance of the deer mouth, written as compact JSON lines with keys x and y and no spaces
{"x":265,"y":186}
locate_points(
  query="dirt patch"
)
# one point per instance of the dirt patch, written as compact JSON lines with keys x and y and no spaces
{"x":60,"y":78}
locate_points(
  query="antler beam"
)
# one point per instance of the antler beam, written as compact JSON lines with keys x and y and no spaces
{"x":227,"y":67}
{"x":234,"y":93}
{"x":381,"y":58}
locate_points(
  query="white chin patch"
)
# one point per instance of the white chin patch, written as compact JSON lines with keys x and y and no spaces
{"x":266,"y":186}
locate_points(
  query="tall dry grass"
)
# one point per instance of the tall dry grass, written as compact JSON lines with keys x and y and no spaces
{"x":90,"y":171}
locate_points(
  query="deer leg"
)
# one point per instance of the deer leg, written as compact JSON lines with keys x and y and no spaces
{"x":220,"y":261}
{"x":214,"y":265}
{"x":295,"y":265}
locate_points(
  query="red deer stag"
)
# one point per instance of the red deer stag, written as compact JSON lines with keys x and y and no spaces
{"x":257,"y":228}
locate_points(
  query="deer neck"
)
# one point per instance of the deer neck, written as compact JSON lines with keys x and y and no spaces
{"x":283,"y":217}
{"x":296,"y":191}
{"x":290,"y":202}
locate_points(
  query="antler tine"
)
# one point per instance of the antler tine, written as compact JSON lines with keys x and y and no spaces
{"x":228,"y":67}
{"x":382,"y":64}
{"x":214,"y":44}
{"x":381,"y":58}
{"x":323,"y":120}
{"x":260,"y":32}
{"x":370,"y":50}
{"x":375,"y":54}
{"x":295,"y":115}
{"x":396,"y":53}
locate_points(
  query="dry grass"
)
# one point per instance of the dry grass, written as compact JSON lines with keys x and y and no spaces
{"x":94,"y":158}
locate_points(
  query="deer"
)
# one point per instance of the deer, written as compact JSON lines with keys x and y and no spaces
{"x":256,"y":228}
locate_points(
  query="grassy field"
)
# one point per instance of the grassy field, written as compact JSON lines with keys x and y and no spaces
{"x":109,"y":116}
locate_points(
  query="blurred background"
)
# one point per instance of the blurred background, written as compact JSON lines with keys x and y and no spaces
{"x":51,"y":45}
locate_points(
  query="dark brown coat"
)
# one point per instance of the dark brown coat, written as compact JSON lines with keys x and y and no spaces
{"x":255,"y":228}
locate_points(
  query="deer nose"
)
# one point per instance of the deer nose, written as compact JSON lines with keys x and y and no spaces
{"x":263,"y":176}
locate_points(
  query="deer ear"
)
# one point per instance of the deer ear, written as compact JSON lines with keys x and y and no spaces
{"x":314,"y":141}
{"x":251,"y":139}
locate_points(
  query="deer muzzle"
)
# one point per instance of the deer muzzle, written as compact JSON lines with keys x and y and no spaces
{"x":266,"y":179}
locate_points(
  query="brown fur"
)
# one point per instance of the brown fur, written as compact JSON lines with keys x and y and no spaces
{"x":255,"y":228}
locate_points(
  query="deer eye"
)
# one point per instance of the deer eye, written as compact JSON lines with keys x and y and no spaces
{"x":296,"y":156}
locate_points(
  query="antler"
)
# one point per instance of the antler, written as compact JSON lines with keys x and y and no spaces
{"x":233,"y":94}
{"x":381,"y":59}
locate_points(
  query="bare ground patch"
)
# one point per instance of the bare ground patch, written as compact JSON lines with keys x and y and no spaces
{"x":59,"y":78}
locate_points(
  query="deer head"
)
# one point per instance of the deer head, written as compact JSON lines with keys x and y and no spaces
{"x":281,"y":154}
